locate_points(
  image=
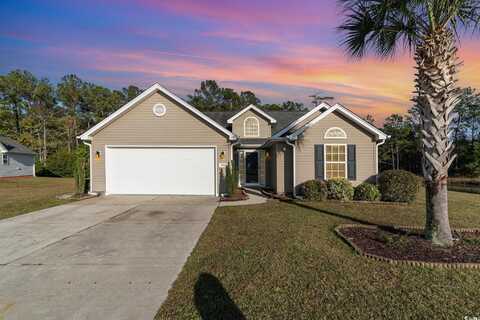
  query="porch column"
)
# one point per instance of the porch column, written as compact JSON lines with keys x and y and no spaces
{"x":280,"y":169}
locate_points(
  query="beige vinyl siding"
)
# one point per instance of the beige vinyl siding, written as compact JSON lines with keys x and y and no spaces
{"x":265,"y":128}
{"x":139,"y":126}
{"x":365,"y":148}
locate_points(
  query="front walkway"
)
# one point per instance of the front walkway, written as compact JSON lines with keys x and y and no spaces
{"x":252,"y":199}
{"x":105,"y":258}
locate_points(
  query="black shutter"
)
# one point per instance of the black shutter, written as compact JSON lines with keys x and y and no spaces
{"x":351,"y":162}
{"x":319,"y":162}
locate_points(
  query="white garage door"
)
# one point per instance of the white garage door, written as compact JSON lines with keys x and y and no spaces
{"x":182,"y":171}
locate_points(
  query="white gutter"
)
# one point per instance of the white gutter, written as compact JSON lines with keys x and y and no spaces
{"x":294,"y":165}
{"x":90,"y":191}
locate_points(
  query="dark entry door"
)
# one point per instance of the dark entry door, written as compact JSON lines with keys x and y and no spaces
{"x":251,"y":167}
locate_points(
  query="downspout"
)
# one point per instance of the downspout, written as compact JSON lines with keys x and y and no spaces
{"x":231,"y":159}
{"x":90,"y":165}
{"x":376,"y":153}
{"x":294,"y":164}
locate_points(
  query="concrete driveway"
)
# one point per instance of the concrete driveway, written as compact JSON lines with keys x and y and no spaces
{"x":104,"y":258}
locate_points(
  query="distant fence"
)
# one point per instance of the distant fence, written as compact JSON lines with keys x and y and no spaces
{"x":470,"y":185}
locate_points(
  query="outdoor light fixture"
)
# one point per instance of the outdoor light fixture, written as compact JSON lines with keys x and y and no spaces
{"x":97,"y":155}
{"x":222,"y":155}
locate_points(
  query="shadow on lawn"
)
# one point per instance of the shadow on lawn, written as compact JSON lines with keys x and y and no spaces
{"x":338,"y":215}
{"x":212,"y":300}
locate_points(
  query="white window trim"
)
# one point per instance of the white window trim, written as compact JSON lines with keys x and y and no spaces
{"x":245,"y":151}
{"x":245,"y":128}
{"x":5,"y":156}
{"x":156,"y":112}
{"x":325,"y":159}
{"x":335,"y":128}
{"x":379,"y":134}
{"x":251,"y":107}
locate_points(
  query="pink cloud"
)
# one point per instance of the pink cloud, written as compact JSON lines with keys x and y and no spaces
{"x":255,"y":37}
{"x":289,"y":12}
{"x":371,"y":85}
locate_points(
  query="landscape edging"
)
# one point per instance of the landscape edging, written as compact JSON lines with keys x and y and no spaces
{"x":458,"y":265}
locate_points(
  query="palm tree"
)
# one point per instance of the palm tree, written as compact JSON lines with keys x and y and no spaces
{"x":429,"y":29}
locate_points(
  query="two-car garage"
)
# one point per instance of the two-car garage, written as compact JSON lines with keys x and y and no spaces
{"x":164,"y":170}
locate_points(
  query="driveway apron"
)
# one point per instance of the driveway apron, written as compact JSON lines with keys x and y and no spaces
{"x":119,"y":265}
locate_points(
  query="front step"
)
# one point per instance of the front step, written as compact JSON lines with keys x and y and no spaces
{"x":254,"y":191}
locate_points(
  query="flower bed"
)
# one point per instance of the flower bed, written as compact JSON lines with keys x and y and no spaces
{"x":239,"y":195}
{"x":407,"y":245}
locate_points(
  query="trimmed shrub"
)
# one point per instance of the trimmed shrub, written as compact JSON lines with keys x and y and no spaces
{"x":231,"y":178}
{"x":366,"y":192}
{"x":339,"y":189}
{"x":398,"y":186}
{"x":314,"y":190}
{"x":80,"y":170}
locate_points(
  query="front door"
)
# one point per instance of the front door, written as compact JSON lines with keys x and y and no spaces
{"x":251,"y":167}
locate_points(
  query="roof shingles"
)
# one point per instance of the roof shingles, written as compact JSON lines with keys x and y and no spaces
{"x":284,"y":118}
{"x":13,"y":146}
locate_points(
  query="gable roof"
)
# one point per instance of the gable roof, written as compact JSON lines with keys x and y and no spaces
{"x":283,"y":118}
{"x":251,"y":107}
{"x":347,"y":113}
{"x":292,"y":124}
{"x":154,"y":88}
{"x":8,"y":145}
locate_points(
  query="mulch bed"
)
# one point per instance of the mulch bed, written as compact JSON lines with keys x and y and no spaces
{"x":239,"y":195}
{"x":409,"y":245}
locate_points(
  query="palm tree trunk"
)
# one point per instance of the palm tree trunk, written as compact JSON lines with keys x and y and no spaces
{"x":437,"y":96}
{"x":437,"y":226}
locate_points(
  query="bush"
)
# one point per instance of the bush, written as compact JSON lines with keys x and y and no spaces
{"x":41,"y":170}
{"x":339,"y":189}
{"x":231,"y":178}
{"x":314,"y":190}
{"x":80,"y":170}
{"x":59,"y":164}
{"x":398,"y":186}
{"x":366,"y":192}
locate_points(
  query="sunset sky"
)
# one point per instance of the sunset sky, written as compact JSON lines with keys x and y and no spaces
{"x":281,"y":50}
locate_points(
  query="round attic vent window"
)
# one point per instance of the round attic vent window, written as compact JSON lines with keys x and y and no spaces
{"x":159,"y":109}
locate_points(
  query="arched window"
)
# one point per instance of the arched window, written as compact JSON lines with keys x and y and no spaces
{"x":335,"y":133}
{"x":251,"y":127}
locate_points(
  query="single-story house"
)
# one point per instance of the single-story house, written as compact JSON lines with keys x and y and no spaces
{"x":16,"y":160}
{"x":159,"y":144}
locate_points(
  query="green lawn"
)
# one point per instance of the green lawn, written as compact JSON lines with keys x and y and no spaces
{"x":23,"y":195}
{"x":283,"y":261}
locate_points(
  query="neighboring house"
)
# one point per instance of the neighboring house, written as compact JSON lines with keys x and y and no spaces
{"x":15,"y":159}
{"x":159,"y":144}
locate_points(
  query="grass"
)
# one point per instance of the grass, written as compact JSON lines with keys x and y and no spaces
{"x":23,"y":195}
{"x":283,"y":261}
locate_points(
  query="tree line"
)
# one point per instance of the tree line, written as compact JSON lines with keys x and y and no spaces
{"x":48,"y":117}
{"x":403,"y":149}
